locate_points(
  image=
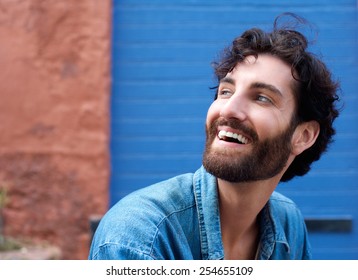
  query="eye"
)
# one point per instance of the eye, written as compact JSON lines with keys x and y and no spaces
{"x":264,"y":99}
{"x":225,"y":93}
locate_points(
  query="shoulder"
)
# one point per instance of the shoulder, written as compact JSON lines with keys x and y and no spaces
{"x":279,"y":200}
{"x":283,"y":207}
{"x":132,"y":223}
{"x":161,"y":198}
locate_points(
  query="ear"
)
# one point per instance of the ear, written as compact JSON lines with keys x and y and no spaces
{"x":304,"y":136}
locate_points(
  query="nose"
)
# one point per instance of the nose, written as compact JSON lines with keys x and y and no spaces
{"x":235,"y":107}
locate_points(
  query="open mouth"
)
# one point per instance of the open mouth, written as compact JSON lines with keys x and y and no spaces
{"x":232,"y":137}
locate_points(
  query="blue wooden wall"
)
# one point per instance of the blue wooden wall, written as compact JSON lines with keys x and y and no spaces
{"x":161,"y":72}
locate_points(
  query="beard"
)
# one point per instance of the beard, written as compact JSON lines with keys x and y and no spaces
{"x":267,"y":158}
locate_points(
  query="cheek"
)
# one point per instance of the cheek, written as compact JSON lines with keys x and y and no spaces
{"x":270,"y":125}
{"x":213,"y":113}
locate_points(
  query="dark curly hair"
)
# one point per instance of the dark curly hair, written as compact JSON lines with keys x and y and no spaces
{"x":315,"y":92}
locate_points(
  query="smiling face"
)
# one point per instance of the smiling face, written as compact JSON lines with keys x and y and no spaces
{"x":250,"y":125}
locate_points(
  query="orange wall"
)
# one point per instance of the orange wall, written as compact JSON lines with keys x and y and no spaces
{"x":54,"y":118}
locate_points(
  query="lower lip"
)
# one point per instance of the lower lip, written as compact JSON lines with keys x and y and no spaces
{"x":227,"y":144}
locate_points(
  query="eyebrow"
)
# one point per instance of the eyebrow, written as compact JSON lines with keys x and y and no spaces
{"x":256,"y":85}
{"x":272,"y":88}
{"x":227,"y":80}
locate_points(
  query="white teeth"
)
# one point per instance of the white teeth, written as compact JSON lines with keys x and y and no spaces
{"x":222,"y":134}
{"x":239,"y":137}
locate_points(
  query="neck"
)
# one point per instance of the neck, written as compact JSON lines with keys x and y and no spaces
{"x":240,"y":204}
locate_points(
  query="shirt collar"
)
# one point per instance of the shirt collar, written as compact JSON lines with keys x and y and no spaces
{"x":271,"y":232}
{"x":206,"y":196}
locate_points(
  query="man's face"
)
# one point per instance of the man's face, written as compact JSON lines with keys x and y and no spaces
{"x":249,"y":126}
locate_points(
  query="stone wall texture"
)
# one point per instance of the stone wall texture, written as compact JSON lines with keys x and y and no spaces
{"x":54,"y":119}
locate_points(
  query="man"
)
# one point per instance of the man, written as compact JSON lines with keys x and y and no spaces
{"x":271,"y":118}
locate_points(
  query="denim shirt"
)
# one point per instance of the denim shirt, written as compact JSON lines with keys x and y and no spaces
{"x":179,"y":219}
